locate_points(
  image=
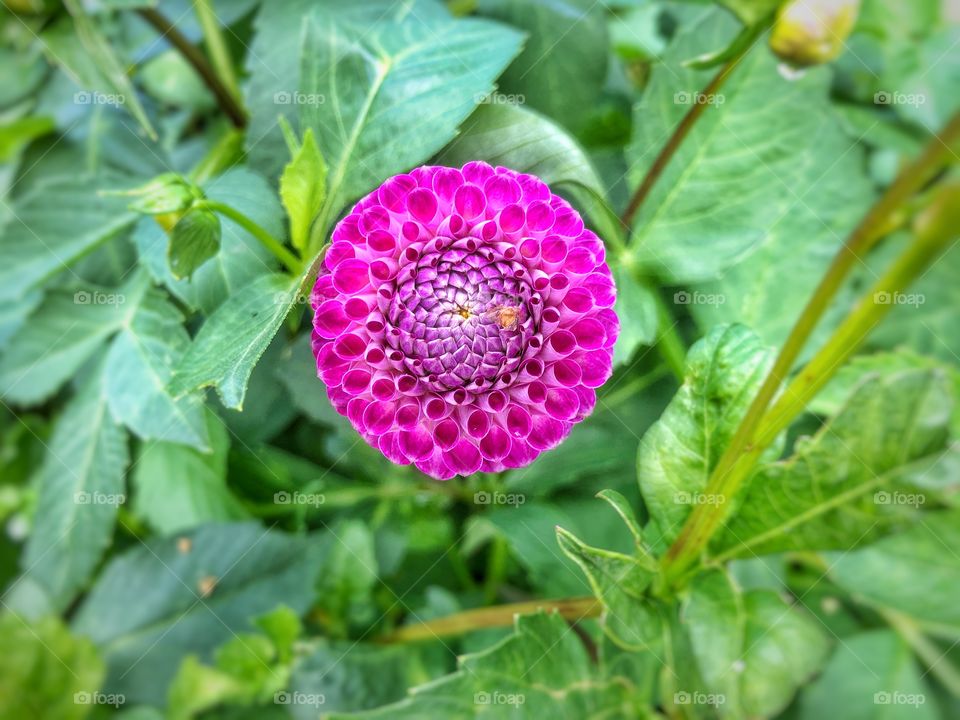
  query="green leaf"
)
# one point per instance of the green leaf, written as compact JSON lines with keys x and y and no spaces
{"x":54,"y":225}
{"x":194,"y":240}
{"x":916,"y":572}
{"x":81,"y":486}
{"x":620,"y":582}
{"x":872,"y":674}
{"x":393,"y":91}
{"x":750,"y":647}
{"x":745,"y":166}
{"x":636,"y":307}
{"x":350,"y":576}
{"x":231,"y":341}
{"x":166,"y":193}
{"x":282,"y":626}
{"x":138,"y":367}
{"x":92,"y":64}
{"x":204,"y":587}
{"x":45,"y":672}
{"x":677,"y":454}
{"x":303,"y":188}
{"x":178,"y":487}
{"x":854,"y":479}
{"x":197,"y":687}
{"x":562,"y":69}
{"x":541,"y":670}
{"x":65,"y":331}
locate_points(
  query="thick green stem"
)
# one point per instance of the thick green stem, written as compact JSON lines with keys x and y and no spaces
{"x":216,"y":46}
{"x":743,"y":451}
{"x":290,"y":261}
{"x":574,"y":609}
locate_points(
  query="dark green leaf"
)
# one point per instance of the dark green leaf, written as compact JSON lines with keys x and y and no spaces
{"x":194,"y":240}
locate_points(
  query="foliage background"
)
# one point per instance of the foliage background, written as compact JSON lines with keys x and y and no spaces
{"x":235,"y":552}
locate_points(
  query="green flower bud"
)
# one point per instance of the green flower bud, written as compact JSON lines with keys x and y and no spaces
{"x":812,"y":32}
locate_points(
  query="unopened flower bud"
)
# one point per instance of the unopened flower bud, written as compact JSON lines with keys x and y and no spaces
{"x":813,"y":32}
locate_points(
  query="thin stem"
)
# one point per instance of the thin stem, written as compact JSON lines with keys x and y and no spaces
{"x":574,"y":609}
{"x":669,"y":344}
{"x":496,"y":568}
{"x":291,"y":261}
{"x":216,"y":46}
{"x":192,"y":55}
{"x":928,"y":651}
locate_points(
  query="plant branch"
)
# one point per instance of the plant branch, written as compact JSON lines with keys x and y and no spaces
{"x":743,"y":451}
{"x":574,"y":609}
{"x":290,"y":261}
{"x":192,"y":55}
{"x":216,"y":46}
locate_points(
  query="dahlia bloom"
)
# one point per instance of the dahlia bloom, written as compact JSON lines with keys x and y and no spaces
{"x":463,"y":319}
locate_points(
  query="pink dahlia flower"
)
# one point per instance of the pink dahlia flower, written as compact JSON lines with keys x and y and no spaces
{"x":463,"y":319}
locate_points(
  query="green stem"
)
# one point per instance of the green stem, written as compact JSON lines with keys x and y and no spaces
{"x":574,"y":609}
{"x":216,"y":46}
{"x":226,"y":153}
{"x":669,"y":344}
{"x":290,"y":261}
{"x":496,"y":568}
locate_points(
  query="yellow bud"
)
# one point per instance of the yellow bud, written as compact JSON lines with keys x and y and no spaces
{"x":812,"y":32}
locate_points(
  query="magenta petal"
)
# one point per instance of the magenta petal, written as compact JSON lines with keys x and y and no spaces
{"x":464,"y":457}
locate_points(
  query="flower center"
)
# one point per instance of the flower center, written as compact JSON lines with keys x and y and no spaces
{"x":461,"y":315}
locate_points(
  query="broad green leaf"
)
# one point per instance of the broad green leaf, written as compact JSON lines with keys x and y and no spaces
{"x":14,"y":313}
{"x":541,"y":670}
{"x":750,"y":647}
{"x":54,"y":225}
{"x":563,"y":65}
{"x":45,"y":672}
{"x":678,"y":453}
{"x":297,"y":370}
{"x":81,"y":486}
{"x":175,"y":596}
{"x":855,"y":478}
{"x":138,"y":367}
{"x":194,"y":240}
{"x":636,"y":307}
{"x":197,"y":688}
{"x":88,"y":58}
{"x":60,"y":336}
{"x":303,"y":188}
{"x":631,"y":618}
{"x":916,"y":572}
{"x":870,"y":675}
{"x":241,"y":258}
{"x":231,"y":341}
{"x":390,"y":93}
{"x":745,"y":165}
{"x":178,"y":487}
{"x":349,"y":576}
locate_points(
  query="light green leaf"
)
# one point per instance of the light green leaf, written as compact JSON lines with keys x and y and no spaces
{"x":138,"y":367}
{"x":303,"y":188}
{"x":750,"y":647}
{"x":55,"y":224}
{"x":394,"y":91}
{"x":349,"y":575}
{"x":853,"y":480}
{"x":65,"y":331}
{"x":620,"y":582}
{"x":541,"y":670}
{"x":174,"y":596}
{"x":636,"y":307}
{"x":81,"y":486}
{"x":231,"y":341}
{"x":678,"y":453}
{"x":178,"y":487}
{"x":562,"y":69}
{"x":194,"y":240}
{"x":45,"y":672}
{"x":745,"y":165}
{"x":916,"y":572}
{"x":870,"y":675}
{"x":14,"y":313}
